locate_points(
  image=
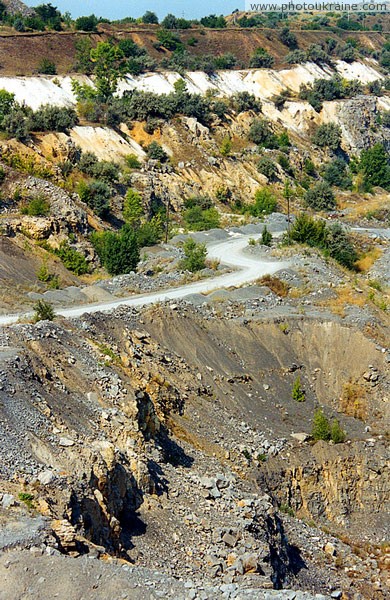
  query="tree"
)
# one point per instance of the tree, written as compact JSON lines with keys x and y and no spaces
{"x":132,"y":207}
{"x":108,"y":62}
{"x":156,"y":152}
{"x":321,"y":426}
{"x":297,"y":392}
{"x":260,"y":133}
{"x":150,"y":18}
{"x":43,"y":311}
{"x":288,"y":38}
{"x":86,"y":23}
{"x":214,"y":22}
{"x":335,"y":173}
{"x":375,"y":165}
{"x":320,"y":197}
{"x":7,"y":103}
{"x":339,"y":246}
{"x":327,"y":135}
{"x":194,"y":256}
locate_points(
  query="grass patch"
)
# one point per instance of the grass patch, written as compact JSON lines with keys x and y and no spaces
{"x":353,"y":401}
{"x":366,"y":261}
{"x":276,"y":285}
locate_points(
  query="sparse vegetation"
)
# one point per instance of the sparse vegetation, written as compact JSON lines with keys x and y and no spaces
{"x":194,"y":256}
{"x":43,"y":311}
{"x":297,"y":393}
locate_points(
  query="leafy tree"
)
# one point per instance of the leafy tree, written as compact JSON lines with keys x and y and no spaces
{"x":43,"y":311}
{"x":265,"y":203}
{"x":198,"y":219}
{"x":261,"y":59}
{"x":321,"y":426}
{"x":169,"y":40}
{"x":7,"y":103}
{"x":318,"y":55}
{"x":307,"y":230}
{"x":86,"y":23}
{"x":108,"y":62}
{"x":244,"y":101}
{"x":375,"y":165}
{"x":96,"y":195}
{"x":52,"y":118}
{"x":194,"y":256}
{"x":327,"y":135}
{"x":266,"y":236}
{"x":132,"y":207}
{"x":267,"y":167}
{"x":214,"y":22}
{"x":150,"y":18}
{"x":297,"y":392}
{"x":151,"y":232}
{"x":320,"y":197}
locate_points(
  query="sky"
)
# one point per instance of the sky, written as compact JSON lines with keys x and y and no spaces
{"x":117,"y":9}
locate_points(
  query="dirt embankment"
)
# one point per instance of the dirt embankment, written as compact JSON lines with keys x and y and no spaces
{"x":21,"y":53}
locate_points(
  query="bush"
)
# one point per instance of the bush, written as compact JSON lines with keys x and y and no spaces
{"x":156,"y":152}
{"x":96,"y":195}
{"x":194,"y":256}
{"x":265,"y":203}
{"x":150,"y":18}
{"x":307,"y":230}
{"x":321,"y":426}
{"x":87,"y":163}
{"x":296,"y":57}
{"x":72,"y":259}
{"x":53,"y":118}
{"x":43,"y":311}
{"x":226,"y":146}
{"x":339,"y":246}
{"x":244,"y":101}
{"x":2,"y":174}
{"x":320,"y":197}
{"x":198,"y":219}
{"x":37,"y":207}
{"x":335,"y":173}
{"x":118,"y":252}
{"x":288,"y":38}
{"x":267,"y":167}
{"x":297,"y":392}
{"x":47,"y":67}
{"x":337,"y":434}
{"x":260,"y":133}
{"x":327,"y":135}
{"x":132,"y":161}
{"x":214,"y":22}
{"x":266,"y":236}
{"x":261,"y":59}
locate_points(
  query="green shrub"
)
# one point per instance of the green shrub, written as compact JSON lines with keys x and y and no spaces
{"x":156,"y":152}
{"x":198,"y":219}
{"x":266,"y":236}
{"x":226,"y":146}
{"x":327,"y":135}
{"x":339,"y":246}
{"x":321,"y":427}
{"x":132,"y":161}
{"x":47,"y":67}
{"x":72,"y":259}
{"x":43,"y":311}
{"x":288,"y":38}
{"x":261,"y":134}
{"x":335,"y":173}
{"x":375,"y":166}
{"x":151,"y":232}
{"x":297,"y":392}
{"x":337,"y":434}
{"x":86,"y":23}
{"x":194,"y":256}
{"x":296,"y":57}
{"x":37,"y":207}
{"x":2,"y":174}
{"x":244,"y":101}
{"x":265,"y":203}
{"x":118,"y":252}
{"x":96,"y":195}
{"x":320,"y":197}
{"x":261,"y":59}
{"x":26,"y":498}
{"x":52,"y":118}
{"x":132,"y":207}
{"x":267,"y":167}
